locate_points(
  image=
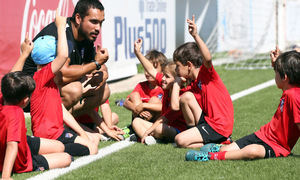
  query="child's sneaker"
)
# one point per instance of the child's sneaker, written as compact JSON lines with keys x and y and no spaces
{"x":119,"y":102}
{"x":193,"y":155}
{"x":211,"y":147}
{"x":133,"y":137}
{"x":150,"y":140}
{"x":105,"y":138}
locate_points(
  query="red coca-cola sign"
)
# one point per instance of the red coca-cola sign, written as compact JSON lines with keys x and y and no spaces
{"x":18,"y":17}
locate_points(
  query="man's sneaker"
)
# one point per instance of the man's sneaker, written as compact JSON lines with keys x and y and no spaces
{"x":211,"y":147}
{"x":150,"y":140}
{"x":193,"y":155}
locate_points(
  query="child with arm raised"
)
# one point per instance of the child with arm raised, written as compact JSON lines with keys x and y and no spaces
{"x":278,"y":137}
{"x":207,"y":106}
{"x":48,"y":115}
{"x":171,"y":122}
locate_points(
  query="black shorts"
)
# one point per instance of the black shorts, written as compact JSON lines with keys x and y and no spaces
{"x":68,"y":136}
{"x":34,"y":144}
{"x":209,"y":135}
{"x":39,"y":162}
{"x":253,"y":139}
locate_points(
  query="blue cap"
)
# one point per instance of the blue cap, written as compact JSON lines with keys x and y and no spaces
{"x":44,"y":50}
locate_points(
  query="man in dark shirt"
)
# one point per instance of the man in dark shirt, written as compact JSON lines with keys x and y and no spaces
{"x":82,"y":78}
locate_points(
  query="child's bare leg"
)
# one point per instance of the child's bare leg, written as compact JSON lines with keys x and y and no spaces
{"x":114,"y":118}
{"x":94,"y":137}
{"x":58,"y":160}
{"x":190,"y":108}
{"x":48,"y":146}
{"x":190,"y":138}
{"x":163,"y":131}
{"x":140,"y":126}
{"x":154,"y":114}
{"x":253,"y":151}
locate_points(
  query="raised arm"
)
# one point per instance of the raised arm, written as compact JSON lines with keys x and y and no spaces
{"x":62,"y":45}
{"x":145,"y":62}
{"x":274,"y":55}
{"x":207,"y":60}
{"x":26,"y":48}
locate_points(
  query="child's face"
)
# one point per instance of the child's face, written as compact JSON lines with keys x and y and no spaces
{"x":167,"y":80}
{"x":181,"y":70}
{"x":149,"y":77}
{"x":279,"y":81}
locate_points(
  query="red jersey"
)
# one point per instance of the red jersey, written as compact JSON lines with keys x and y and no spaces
{"x":175,"y":118}
{"x":214,"y":100}
{"x":46,"y":106}
{"x":282,"y":132}
{"x":146,"y":93}
{"x":12,"y":128}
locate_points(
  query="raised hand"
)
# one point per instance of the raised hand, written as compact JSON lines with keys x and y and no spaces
{"x":192,"y":26}
{"x":138,"y":45}
{"x":59,"y":20}
{"x":274,"y":55}
{"x":27,"y":45}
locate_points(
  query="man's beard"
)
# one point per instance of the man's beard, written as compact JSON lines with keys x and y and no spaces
{"x":84,"y":34}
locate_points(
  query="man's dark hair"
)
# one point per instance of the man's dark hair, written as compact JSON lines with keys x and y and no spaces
{"x":15,"y":86}
{"x":289,"y":63}
{"x":83,"y":6}
{"x":188,"y":52}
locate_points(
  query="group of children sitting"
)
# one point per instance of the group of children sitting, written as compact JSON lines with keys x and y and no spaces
{"x":184,"y":101}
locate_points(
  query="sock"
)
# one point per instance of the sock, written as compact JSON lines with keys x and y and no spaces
{"x":75,"y":149}
{"x":217,"y":155}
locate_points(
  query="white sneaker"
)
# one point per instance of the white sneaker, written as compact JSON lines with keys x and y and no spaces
{"x":105,"y":138}
{"x":150,"y":140}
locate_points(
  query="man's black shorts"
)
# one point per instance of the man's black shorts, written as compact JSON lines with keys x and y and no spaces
{"x":208,"y":134}
{"x":253,"y":139}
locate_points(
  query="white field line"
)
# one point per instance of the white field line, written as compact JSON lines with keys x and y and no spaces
{"x":54,"y":173}
{"x":252,"y":90}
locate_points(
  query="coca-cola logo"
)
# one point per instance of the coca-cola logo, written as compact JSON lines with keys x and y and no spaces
{"x":40,"y":13}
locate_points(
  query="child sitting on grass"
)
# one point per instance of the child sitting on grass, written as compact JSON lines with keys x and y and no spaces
{"x":48,"y":114}
{"x":207,"y":106}
{"x":145,"y":100}
{"x":278,"y":137}
{"x":171,"y":122}
{"x":20,"y":153}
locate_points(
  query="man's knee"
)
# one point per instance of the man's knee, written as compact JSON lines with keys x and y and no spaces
{"x":71,"y":94}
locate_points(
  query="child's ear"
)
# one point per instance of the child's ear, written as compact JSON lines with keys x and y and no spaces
{"x":24,"y":102}
{"x":189,"y":64}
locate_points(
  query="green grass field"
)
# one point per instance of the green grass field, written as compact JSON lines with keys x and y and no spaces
{"x":164,"y":161}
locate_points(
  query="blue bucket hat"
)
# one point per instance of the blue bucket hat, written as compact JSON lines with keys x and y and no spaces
{"x":44,"y":50}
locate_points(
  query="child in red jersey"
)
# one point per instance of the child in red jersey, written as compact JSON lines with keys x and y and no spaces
{"x":171,"y":122}
{"x":207,"y":106}
{"x":278,"y":137}
{"x":20,"y":153}
{"x":48,"y":114}
{"x":145,"y":100}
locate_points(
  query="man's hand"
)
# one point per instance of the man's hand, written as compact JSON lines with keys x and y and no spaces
{"x":101,"y":55}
